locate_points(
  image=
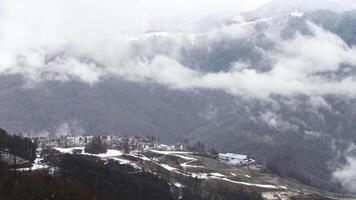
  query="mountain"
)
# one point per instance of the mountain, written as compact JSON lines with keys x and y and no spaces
{"x":306,"y":136}
{"x":112,"y":106}
{"x":278,"y":7}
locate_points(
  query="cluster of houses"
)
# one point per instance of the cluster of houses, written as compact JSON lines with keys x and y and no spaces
{"x":111,"y":141}
{"x":64,"y":141}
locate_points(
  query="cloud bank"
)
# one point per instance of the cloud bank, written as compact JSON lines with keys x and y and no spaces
{"x":67,"y":40}
{"x":346,"y":175}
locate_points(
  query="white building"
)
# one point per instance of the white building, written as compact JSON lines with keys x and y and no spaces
{"x":235,"y":159}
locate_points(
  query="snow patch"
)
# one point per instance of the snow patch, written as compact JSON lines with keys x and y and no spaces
{"x":122,"y":161}
{"x":178,"y":185}
{"x":169,"y":152}
{"x":217,"y":174}
{"x":250,"y":184}
{"x":169,"y":168}
{"x":297,"y":14}
{"x":108,"y":154}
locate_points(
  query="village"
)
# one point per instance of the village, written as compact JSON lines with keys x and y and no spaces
{"x":139,"y":145}
{"x":110,"y":141}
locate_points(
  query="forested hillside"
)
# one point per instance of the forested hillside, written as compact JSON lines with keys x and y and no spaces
{"x":14,"y":149}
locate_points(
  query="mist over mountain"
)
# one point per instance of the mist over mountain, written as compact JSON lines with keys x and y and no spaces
{"x":277,"y":83}
{"x":278,"y":7}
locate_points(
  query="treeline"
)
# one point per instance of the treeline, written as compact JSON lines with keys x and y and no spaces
{"x":36,"y":185}
{"x":201,"y":149}
{"x":197,"y":189}
{"x":96,"y":146}
{"x":13,"y":146}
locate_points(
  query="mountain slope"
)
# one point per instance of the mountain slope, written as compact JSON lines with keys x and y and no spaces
{"x":279,"y":7}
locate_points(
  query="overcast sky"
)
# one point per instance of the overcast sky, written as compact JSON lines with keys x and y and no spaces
{"x":130,"y":15}
{"x":198,"y":7}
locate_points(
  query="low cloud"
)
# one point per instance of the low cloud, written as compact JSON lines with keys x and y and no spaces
{"x":345,"y":172}
{"x":82,"y":47}
{"x":276,"y":122}
{"x":346,"y":175}
{"x":72,"y":128}
{"x":298,"y":69}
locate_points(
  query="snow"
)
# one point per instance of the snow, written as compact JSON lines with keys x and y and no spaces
{"x":201,"y":175}
{"x":37,"y":167}
{"x":235,"y":157}
{"x":169,"y":152}
{"x":114,"y":153}
{"x":108,"y":154}
{"x":38,"y":163}
{"x":177,"y":154}
{"x":186,"y":164}
{"x":297,"y":14}
{"x":122,"y":161}
{"x":250,"y":184}
{"x":178,"y":185}
{"x":142,"y":157}
{"x":248,"y":176}
{"x":169,"y":168}
{"x":207,"y":175}
{"x":217,"y":174}
{"x":186,"y":157}
{"x":68,"y":150}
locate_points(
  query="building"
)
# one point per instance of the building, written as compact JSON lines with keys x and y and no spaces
{"x":235,"y":159}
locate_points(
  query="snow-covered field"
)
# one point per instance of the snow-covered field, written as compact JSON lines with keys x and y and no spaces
{"x":108,"y":154}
